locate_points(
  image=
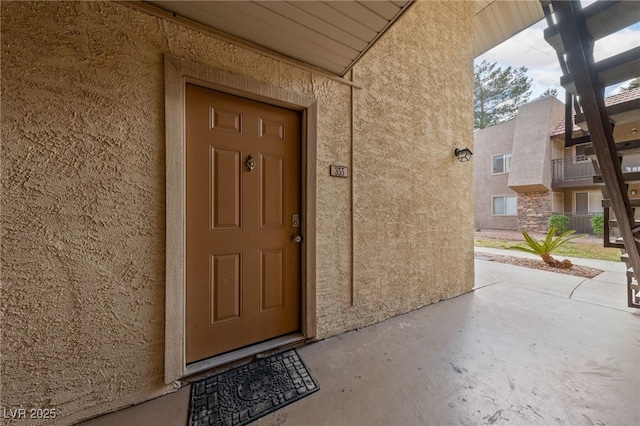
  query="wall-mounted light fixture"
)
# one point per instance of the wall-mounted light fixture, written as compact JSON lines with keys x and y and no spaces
{"x":463,"y":154}
{"x":634,"y":192}
{"x":634,"y":131}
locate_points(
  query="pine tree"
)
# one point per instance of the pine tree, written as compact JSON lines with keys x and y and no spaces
{"x":548,"y":92}
{"x":633,"y":84}
{"x":497,"y":93}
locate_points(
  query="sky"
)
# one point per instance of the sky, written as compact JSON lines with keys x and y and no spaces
{"x":529,"y":49}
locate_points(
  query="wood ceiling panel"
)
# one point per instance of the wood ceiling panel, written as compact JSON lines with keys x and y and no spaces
{"x":357,"y":11}
{"x":313,"y":23}
{"x":326,"y":13}
{"x":328,"y":34}
{"x":498,"y":20}
{"x":333,"y":34}
{"x":534,"y":10}
{"x":230,"y":20}
{"x":481,"y":4}
{"x":518,"y":14}
{"x":501,"y":19}
{"x":481,"y":38}
{"x":284,"y":28}
{"x":386,"y":9}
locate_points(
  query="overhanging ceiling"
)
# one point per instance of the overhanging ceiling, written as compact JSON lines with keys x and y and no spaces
{"x":331,"y":35}
{"x":498,"y":20}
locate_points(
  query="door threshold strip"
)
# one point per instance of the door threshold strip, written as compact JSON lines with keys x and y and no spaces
{"x":242,"y":353}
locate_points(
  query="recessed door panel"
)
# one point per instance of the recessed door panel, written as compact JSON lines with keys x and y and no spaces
{"x":228,"y":121}
{"x":226,"y":189}
{"x":243,"y":181}
{"x":272,"y":187}
{"x":272,"y":279}
{"x":225,"y":288}
{"x":270,"y":129}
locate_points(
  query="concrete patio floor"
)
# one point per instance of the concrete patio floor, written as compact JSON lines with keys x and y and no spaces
{"x":525,"y":347}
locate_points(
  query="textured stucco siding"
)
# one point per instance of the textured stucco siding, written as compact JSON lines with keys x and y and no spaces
{"x":489,"y":142}
{"x":83,"y":207}
{"x":526,"y":138}
{"x":531,"y":164}
{"x":83,"y":189}
{"x":413,"y":199}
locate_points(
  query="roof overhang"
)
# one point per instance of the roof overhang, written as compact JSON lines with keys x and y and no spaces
{"x":498,"y":20}
{"x":332,"y":35}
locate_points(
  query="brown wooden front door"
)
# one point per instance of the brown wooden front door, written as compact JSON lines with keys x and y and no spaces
{"x":243,"y":190}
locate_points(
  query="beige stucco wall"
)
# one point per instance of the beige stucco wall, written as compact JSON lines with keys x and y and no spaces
{"x":83,"y":223}
{"x":413,"y":199}
{"x":531,"y":164}
{"x":526,"y":138}
{"x":489,"y":142}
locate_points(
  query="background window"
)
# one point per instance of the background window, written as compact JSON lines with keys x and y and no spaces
{"x":582,"y":202}
{"x":581,"y":153}
{"x":501,"y":163}
{"x":505,"y":206}
{"x":588,"y":202}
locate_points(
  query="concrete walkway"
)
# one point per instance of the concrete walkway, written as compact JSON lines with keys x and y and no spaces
{"x":608,"y":289}
{"x":526,"y":347}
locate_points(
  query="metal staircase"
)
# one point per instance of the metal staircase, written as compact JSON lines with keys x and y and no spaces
{"x":572,"y":32}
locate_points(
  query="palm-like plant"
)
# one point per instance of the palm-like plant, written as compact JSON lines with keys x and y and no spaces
{"x":545,"y":247}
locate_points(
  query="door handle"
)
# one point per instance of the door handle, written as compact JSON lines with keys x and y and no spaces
{"x":296,"y":239}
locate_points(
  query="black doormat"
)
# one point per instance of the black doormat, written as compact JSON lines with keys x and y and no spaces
{"x":244,"y":394}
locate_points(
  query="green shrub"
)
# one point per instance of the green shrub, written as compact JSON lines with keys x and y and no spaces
{"x":477,"y":226}
{"x":560,"y":222}
{"x":597,"y":224}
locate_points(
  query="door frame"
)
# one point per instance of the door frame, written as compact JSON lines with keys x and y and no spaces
{"x":179,"y":72}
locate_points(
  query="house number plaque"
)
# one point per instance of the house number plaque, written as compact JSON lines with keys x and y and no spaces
{"x":339,"y":171}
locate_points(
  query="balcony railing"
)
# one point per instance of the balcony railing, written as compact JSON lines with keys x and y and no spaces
{"x":580,"y":167}
{"x":572,"y":168}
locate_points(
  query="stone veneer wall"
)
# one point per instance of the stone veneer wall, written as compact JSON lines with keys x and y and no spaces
{"x":534,"y":211}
